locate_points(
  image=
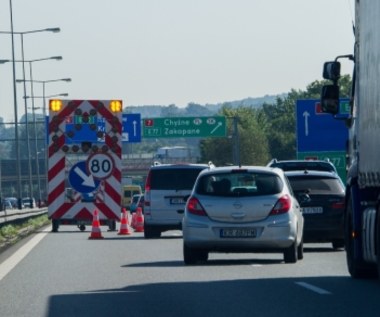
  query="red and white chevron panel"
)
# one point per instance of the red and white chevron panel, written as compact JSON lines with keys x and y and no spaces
{"x":66,"y":203}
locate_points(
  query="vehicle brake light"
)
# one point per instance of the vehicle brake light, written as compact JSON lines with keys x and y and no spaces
{"x":194,"y":207}
{"x":338,"y":205}
{"x":147,"y":182}
{"x":282,"y":206}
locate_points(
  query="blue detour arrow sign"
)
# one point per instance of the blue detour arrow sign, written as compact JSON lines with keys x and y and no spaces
{"x":81,"y":180}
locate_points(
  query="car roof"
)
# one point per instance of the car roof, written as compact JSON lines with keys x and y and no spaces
{"x":179,"y":165}
{"x":287,"y":165}
{"x":227,"y":169}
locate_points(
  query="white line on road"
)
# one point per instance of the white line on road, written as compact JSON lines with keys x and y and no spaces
{"x":314,"y":288}
{"x":21,"y":253}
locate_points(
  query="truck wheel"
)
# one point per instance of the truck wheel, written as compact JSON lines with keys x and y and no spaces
{"x":111,"y":225}
{"x":356,"y":267}
{"x":378,"y":240}
{"x":82,"y":227}
{"x":54,"y":225}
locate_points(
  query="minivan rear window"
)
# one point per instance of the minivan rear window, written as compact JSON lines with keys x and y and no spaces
{"x":174,"y":178}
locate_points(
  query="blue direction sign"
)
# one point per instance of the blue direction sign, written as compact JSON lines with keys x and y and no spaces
{"x":131,"y":133}
{"x":317,"y":131}
{"x":81,"y":180}
{"x":131,"y":127}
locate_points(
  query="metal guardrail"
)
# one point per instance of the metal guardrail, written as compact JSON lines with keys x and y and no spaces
{"x":9,"y":216}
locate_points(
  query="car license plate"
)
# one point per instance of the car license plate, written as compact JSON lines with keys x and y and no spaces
{"x":177,"y":201}
{"x":312,"y":210}
{"x":238,"y":233}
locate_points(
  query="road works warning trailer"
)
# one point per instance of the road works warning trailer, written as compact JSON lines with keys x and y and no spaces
{"x":84,"y":162}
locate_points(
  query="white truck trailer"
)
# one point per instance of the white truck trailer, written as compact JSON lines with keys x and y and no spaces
{"x":362,"y":214}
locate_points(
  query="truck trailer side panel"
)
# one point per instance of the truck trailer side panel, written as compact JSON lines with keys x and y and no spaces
{"x":368,"y":91}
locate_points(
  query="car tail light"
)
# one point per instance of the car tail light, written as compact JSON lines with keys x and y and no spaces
{"x":338,"y":205}
{"x":194,"y":207}
{"x":147,"y":182}
{"x":282,"y":206}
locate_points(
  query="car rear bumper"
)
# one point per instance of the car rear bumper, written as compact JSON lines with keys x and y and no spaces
{"x":270,"y":235}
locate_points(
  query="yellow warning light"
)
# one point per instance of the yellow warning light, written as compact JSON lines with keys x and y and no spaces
{"x":116,"y":106}
{"x":55,"y":105}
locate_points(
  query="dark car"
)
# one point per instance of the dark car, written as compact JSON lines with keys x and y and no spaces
{"x":296,"y":165}
{"x":322,"y":199}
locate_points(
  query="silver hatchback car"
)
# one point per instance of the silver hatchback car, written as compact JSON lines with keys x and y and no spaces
{"x":242,"y":209}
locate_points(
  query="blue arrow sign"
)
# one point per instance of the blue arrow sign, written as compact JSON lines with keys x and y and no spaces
{"x":317,"y":131}
{"x":131,"y":133}
{"x":131,"y":127}
{"x":81,"y":180}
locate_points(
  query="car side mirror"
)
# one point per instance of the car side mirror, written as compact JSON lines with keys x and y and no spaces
{"x":330,"y":99}
{"x":331,"y":71}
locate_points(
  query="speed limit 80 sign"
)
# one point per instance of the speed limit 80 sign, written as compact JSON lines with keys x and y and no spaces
{"x":100,"y":165}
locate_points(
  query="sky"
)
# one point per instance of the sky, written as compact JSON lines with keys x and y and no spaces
{"x":162,"y":52}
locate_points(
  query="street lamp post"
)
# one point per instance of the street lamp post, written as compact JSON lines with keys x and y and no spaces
{"x":35,"y":137}
{"x":17,"y":145}
{"x":44,"y":82}
{"x":23,"y":61}
{"x":18,"y":164}
{"x":44,"y":115}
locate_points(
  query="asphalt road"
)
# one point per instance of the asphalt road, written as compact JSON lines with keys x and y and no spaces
{"x":67,"y":274}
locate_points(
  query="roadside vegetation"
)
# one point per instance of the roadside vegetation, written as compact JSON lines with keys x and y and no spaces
{"x":10,"y":234}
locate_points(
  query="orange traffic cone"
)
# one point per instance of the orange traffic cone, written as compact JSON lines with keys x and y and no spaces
{"x":95,"y":232}
{"x":139,"y":222}
{"x":133,"y":221}
{"x":124,"y":228}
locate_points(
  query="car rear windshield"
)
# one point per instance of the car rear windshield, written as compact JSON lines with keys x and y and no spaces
{"x":316,"y":185}
{"x":174,"y":179}
{"x":239,"y":184}
{"x":310,"y":165}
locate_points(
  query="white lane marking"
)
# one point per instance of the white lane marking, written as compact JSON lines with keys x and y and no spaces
{"x":21,"y":253}
{"x":314,"y":288}
{"x":256,"y":265}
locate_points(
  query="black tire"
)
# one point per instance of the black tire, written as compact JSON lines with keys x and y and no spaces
{"x":378,"y":241}
{"x":112,"y":225}
{"x":82,"y":227}
{"x":291,"y":253}
{"x":193,"y":256}
{"x":151,"y":232}
{"x":356,"y":268}
{"x":300,"y":250}
{"x":203,"y":256}
{"x":338,"y":244}
{"x":54,"y":225}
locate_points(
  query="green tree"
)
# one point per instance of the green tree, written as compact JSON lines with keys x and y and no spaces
{"x":280,"y":117}
{"x":253,"y":145}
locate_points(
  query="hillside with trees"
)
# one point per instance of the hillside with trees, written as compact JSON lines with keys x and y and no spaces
{"x":266,"y":128}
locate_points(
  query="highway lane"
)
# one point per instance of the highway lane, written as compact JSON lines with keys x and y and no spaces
{"x":66,"y":274}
